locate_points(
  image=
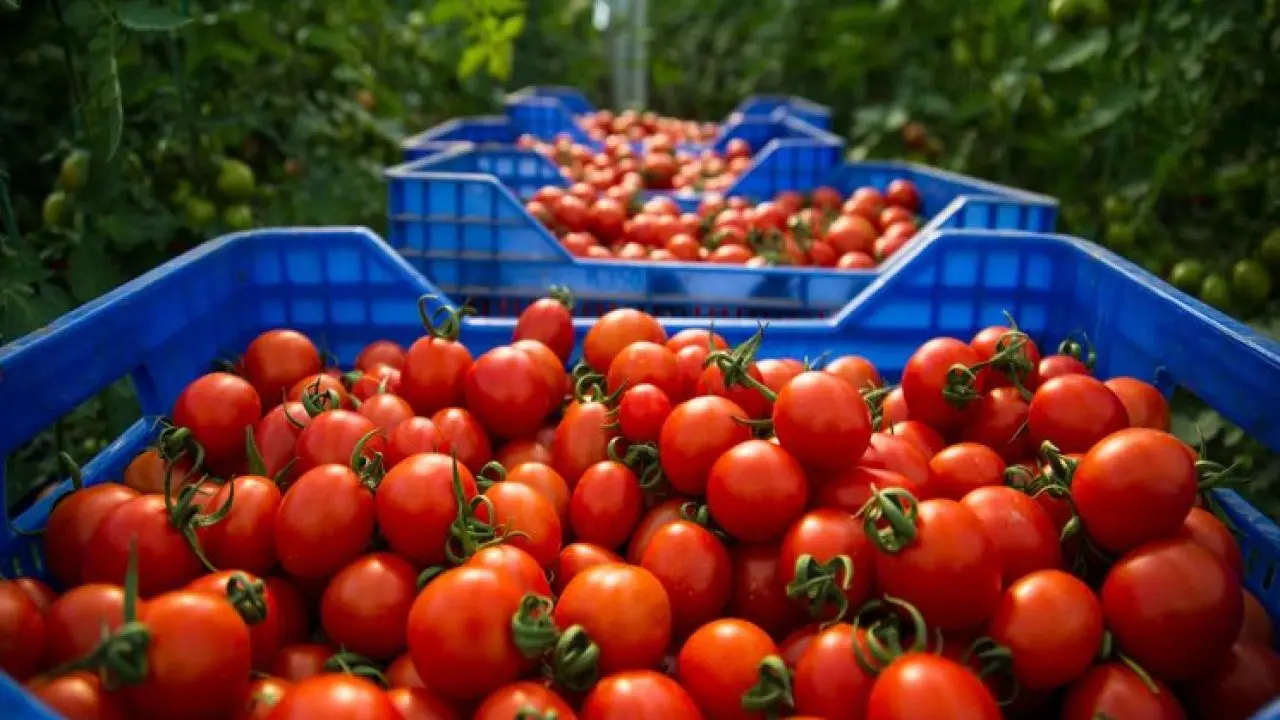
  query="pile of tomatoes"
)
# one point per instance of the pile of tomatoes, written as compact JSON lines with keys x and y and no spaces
{"x":657,"y":164}
{"x":823,"y":229}
{"x":673,"y":529}
{"x":635,"y":126}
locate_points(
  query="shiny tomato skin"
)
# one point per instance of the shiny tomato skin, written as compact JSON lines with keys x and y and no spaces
{"x":776,"y":373}
{"x":276,"y":437}
{"x":638,"y":695}
{"x":655,"y":517}
{"x":641,"y":412}
{"x":926,"y":439}
{"x":625,"y":611}
{"x":73,"y":623}
{"x":506,"y":392}
{"x":614,"y":331}
{"x":696,"y":337}
{"x":988,"y":342}
{"x":1052,"y":622}
{"x":298,"y":662}
{"x":581,"y":440}
{"x":146,"y":473}
{"x":165,"y":559}
{"x":295,"y":620}
{"x":1144,"y":404}
{"x":514,"y":453}
{"x":691,"y":360}
{"x":851,"y":489}
{"x":72,"y":523}
{"x":546,"y":482}
{"x":516,"y":563}
{"x":960,"y":468}
{"x":576,"y":557}
{"x":694,"y":436}
{"x":550,"y":322}
{"x":216,"y":408}
{"x":649,"y":363}
{"x":22,"y":632}
{"x":431,"y":378}
{"x":900,"y":455}
{"x":245,"y":538}
{"x":332,"y":437}
{"x":528,"y":516}
{"x":1052,"y":366}
{"x":826,"y":534}
{"x":751,"y":401}
{"x":550,"y":368}
{"x":1115,"y":691}
{"x":79,"y":695}
{"x":998,"y":420}
{"x":924,"y":685}
{"x":507,"y":702}
{"x":1207,"y":531}
{"x":793,"y":646}
{"x":695,"y":570}
{"x":326,"y":384}
{"x":759,"y":594}
{"x":925,"y":375}
{"x":1074,"y":412}
{"x":380,"y":352}
{"x":335,"y":695}
{"x":1024,"y":535}
{"x":755,"y":490}
{"x":366,"y":605}
{"x":416,"y":505}
{"x":420,"y":704}
{"x":412,"y":436}
{"x":402,"y":674}
{"x":1173,"y":608}
{"x":264,"y":693}
{"x":606,"y":504}
{"x":822,"y":421}
{"x":951,"y":570}
{"x":264,"y":635}
{"x":893,"y":408}
{"x":1134,"y":486}
{"x":1257,"y":625}
{"x":1240,"y":686}
{"x":276,"y":360}
{"x":386,"y":411}
{"x":460,"y":623}
{"x":829,"y":682}
{"x":719,"y":662}
{"x":325,"y":521}
{"x":464,"y":437}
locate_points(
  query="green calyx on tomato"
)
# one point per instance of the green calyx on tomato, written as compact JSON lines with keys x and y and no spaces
{"x":883,"y":636}
{"x":898,"y":509}
{"x":235,"y":179}
{"x":446,"y":322}
{"x":350,"y":663}
{"x":248,"y":597}
{"x":771,"y":694}
{"x":822,"y":585}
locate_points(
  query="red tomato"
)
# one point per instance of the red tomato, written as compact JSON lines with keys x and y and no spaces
{"x":997,"y":338}
{"x":1207,"y":531}
{"x":865,"y":201}
{"x":827,"y":535}
{"x":696,"y":337}
{"x":333,"y":436}
{"x":402,"y":674}
{"x":324,"y":522}
{"x":78,"y":696}
{"x":295,"y":623}
{"x":276,"y":437}
{"x":1134,"y":486}
{"x":759,"y":594}
{"x":216,"y":408}
{"x":245,"y":538}
{"x":412,"y":436}
{"x":756,"y":490}
{"x":904,"y":194}
{"x":264,"y":694}
{"x":924,"y":685}
{"x":146,"y":472}
{"x":460,"y":633}
{"x":515,"y":562}
{"x":730,"y":254}
{"x":638,"y":695}
{"x":646,"y":363}
{"x":1173,"y":608}
{"x":998,"y":420}
{"x":546,"y":482}
{"x":380,"y":352}
{"x":851,"y":233}
{"x":165,"y":558}
{"x":581,"y":440}
{"x":335,"y":696}
{"x":1115,"y":691}
{"x":520,"y":698}
{"x":528,"y":518}
{"x":1023,"y":533}
{"x":1073,"y":412}
{"x":1143,"y":403}
{"x":893,"y":408}
{"x":625,"y":611}
{"x":850,"y":490}
{"x":719,"y":664}
{"x":74,"y":622}
{"x":504,"y":392}
{"x":464,"y":437}
{"x":254,"y":603}
{"x":956,"y":470}
{"x":327,"y":385}
{"x":641,"y":412}
{"x":1257,"y":626}
{"x":695,"y":570}
{"x":431,"y":378}
{"x":616,"y":330}
{"x":822,"y":421}
{"x":366,"y":605}
{"x":514,"y":453}
{"x":378,"y":380}
{"x":40,"y":593}
{"x":891,"y":452}
{"x":1052,"y":366}
{"x":777,"y":373}
{"x":755,"y":404}
{"x":793,"y":647}
{"x":72,"y":523}
{"x":694,"y":436}
{"x":550,"y":367}
{"x":664,"y":512}
{"x":22,"y":632}
{"x":1053,"y":624}
{"x":576,"y":557}
{"x":829,"y":682}
{"x":606,"y":504}
{"x":276,"y":360}
{"x":925,"y":377}
{"x":416,"y":505}
{"x":549,"y":320}
{"x":296,"y":663}
{"x":386,"y":412}
{"x":1247,"y":681}
{"x":926,"y":439}
{"x":950,"y":571}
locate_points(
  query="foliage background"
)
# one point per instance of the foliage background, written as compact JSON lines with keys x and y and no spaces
{"x":1153,"y":121}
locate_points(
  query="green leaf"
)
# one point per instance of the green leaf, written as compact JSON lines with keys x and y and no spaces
{"x":1110,"y":109}
{"x":142,"y":16}
{"x":91,"y":271}
{"x":104,"y":114}
{"x":472,"y":58}
{"x":1093,"y":45}
{"x":511,"y":28}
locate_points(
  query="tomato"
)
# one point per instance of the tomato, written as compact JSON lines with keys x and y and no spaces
{"x":326,"y":384}
{"x":900,"y":455}
{"x":335,"y":696}
{"x":523,"y":697}
{"x":378,"y":380}
{"x":998,"y":420}
{"x":515,"y":562}
{"x":464,"y":437}
{"x":1133,"y":486}
{"x":960,"y":468}
{"x":256,"y":605}
{"x":903,"y":193}
{"x":1143,"y":403}
{"x":528,"y":518}
{"x":694,"y":569}
{"x":72,"y":523}
{"x":926,"y":439}
{"x":606,"y":504}
{"x":1073,"y":412}
{"x":296,"y":663}
{"x":245,"y":538}
{"x":851,"y":233}
{"x":386,"y":412}
{"x":793,"y":647}
{"x":216,"y":408}
{"x":1207,"y":531}
{"x":294,"y":621}
{"x":146,"y":472}
{"x":412,"y":436}
{"x":1243,"y":684}
{"x":825,"y":535}
{"x":1173,"y":608}
{"x":460,"y":632}
{"x":719,"y":664}
{"x":642,"y":410}
{"x":1024,"y":534}
{"x":625,"y":611}
{"x":276,"y":360}
{"x":22,"y":632}
{"x":893,"y":408}
{"x":504,"y":390}
{"x":696,"y":337}
{"x":550,"y":368}
{"x":638,"y":695}
{"x":332,"y":438}
{"x":664,"y":512}
{"x":924,"y":685}
{"x":380,"y":352}
{"x":691,"y":360}
{"x":776,"y":373}
{"x":549,"y":320}
{"x":829,"y":682}
{"x":165,"y":558}
{"x":850,"y":490}
{"x":576,"y":557}
{"x":198,"y":659}
{"x":1114,"y":690}
{"x":73,"y":624}
{"x":79,"y":695}
{"x":822,"y":421}
{"x":759,"y":593}
{"x":694,"y":436}
{"x":431,"y":378}
{"x":1052,"y":622}
{"x":514,"y":453}
{"x":401,"y":673}
{"x":276,"y":438}
{"x":416,"y":505}
{"x":581,"y":440}
{"x":616,"y":330}
{"x":1257,"y":626}
{"x":646,"y":363}
{"x":545,"y":482}
{"x":950,"y":571}
{"x":992,"y":340}
{"x":756,"y":490}
{"x":754,"y":404}
{"x":925,"y":377}
{"x":366,"y":604}
{"x":324,"y":522}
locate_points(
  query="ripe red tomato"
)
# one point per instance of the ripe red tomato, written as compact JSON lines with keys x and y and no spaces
{"x":1257,"y":626}
{"x":893,"y":408}
{"x":79,"y":695}
{"x":646,"y":362}
{"x":550,"y":368}
{"x":324,"y":522}
{"x":822,"y":421}
{"x":72,"y":523}
{"x":752,"y":401}
{"x":276,"y":360}
{"x":664,"y":512}
{"x":333,"y":436}
{"x":527,"y":516}
{"x":956,"y":470}
{"x":759,"y":594}
{"x":380,"y":352}
{"x":825,"y":535}
{"x":245,"y":538}
{"x":625,"y":611}
{"x":924,"y":685}
{"x":264,"y":694}
{"x":695,"y":570}
{"x":296,"y":663}
{"x":576,"y":557}
{"x":505,"y":391}
{"x":1053,"y":624}
{"x":380,"y":379}
{"x":925,"y":377}
{"x":254,"y":603}
{"x":386,"y":412}
{"x":850,"y":490}
{"x":416,"y":505}
{"x":829,"y":682}
{"x":1025,"y":537}
{"x":549,"y":320}
{"x":606,"y":504}
{"x":198,"y":659}
{"x":276,"y":438}
{"x":1114,"y":690}
{"x":73,"y":623}
{"x":1173,"y":608}
{"x":295,"y":621}
{"x":146,"y":472}
{"x":515,"y":562}
{"x":614,"y":331}
{"x":165,"y":558}
{"x":903,"y":193}
{"x":1247,"y":681}
{"x":776,"y":373}
{"x":998,"y":420}
{"x":366,"y":605}
{"x":1134,"y":486}
{"x":412,"y":436}
{"x":460,"y":633}
{"x":1052,"y":366}
{"x":719,"y":663}
{"x":216,"y":408}
{"x":694,"y":436}
{"x":950,"y":571}
{"x":851,"y":233}
{"x":513,"y":453}
{"x":900,"y":455}
{"x":431,"y":378}
{"x":641,"y":412}
{"x":464,"y":437}
{"x":22,"y":632}
{"x":996,"y":338}
{"x":546,"y":482}
{"x":402,"y":674}
{"x":523,"y":697}
{"x":756,"y":490}
{"x":1143,"y":403}
{"x":1207,"y":531}
{"x":641,"y":695}
{"x":337,"y":696}
{"x":1074,"y":412}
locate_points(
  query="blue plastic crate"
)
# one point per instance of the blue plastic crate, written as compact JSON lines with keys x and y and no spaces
{"x":345,"y":287}
{"x":458,"y":217}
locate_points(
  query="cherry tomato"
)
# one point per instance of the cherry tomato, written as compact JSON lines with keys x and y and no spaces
{"x":74,"y":622}
{"x":257,"y":607}
{"x":78,"y":696}
{"x":416,"y":505}
{"x":694,"y":436}
{"x":825,"y":535}
{"x":850,"y":490}
{"x":759,"y":593}
{"x":645,"y":363}
{"x":72,"y":523}
{"x":625,"y":611}
{"x":719,"y":663}
{"x":549,"y":321}
{"x":756,"y":490}
{"x":216,"y":408}
{"x":545,"y":482}
{"x":822,"y":421}
{"x":925,"y":377}
{"x":504,"y":391}
{"x":893,"y":408}
{"x":754,"y":404}
{"x":576,"y":557}
{"x":380,"y":352}
{"x":992,"y":340}
{"x":1074,"y":412}
{"x":691,"y":360}
{"x":1053,"y":624}
{"x":326,"y":384}
{"x":1207,"y":531}
{"x":696,"y":337}
{"x":1257,"y":625}
{"x":431,"y":378}
{"x":464,"y":437}
{"x":276,"y":360}
{"x":900,"y":455}
{"x":527,"y":516}
{"x":333,"y":436}
{"x":366,"y":604}
{"x":829,"y":682}
{"x":1115,"y":691}
{"x":793,"y":646}
{"x":386,"y":412}
{"x":960,"y":468}
{"x":146,"y":473}
{"x":510,"y":701}
{"x":606,"y":504}
{"x":638,"y":695}
{"x":694,"y":569}
{"x":514,"y":453}
{"x":616,"y":330}
{"x":22,"y":632}
{"x":294,"y":617}
{"x":1052,"y":366}
{"x":924,"y":685}
{"x":296,"y":663}
{"x":324,"y":522}
{"x":165,"y":558}
{"x":998,"y":420}
{"x":1024,"y":535}
{"x":926,"y":439}
{"x":276,"y":438}
{"x":655,"y":517}
{"x":515,"y":562}
{"x":402,"y":673}
{"x":1143,"y":403}
{"x":1240,"y":686}
{"x":335,"y":696}
{"x":641,"y":412}
{"x":581,"y":440}
{"x":550,"y":367}
{"x":245,"y":538}
{"x":412,"y":436}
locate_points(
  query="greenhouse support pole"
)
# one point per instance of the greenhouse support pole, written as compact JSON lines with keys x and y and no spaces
{"x":639,"y":25}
